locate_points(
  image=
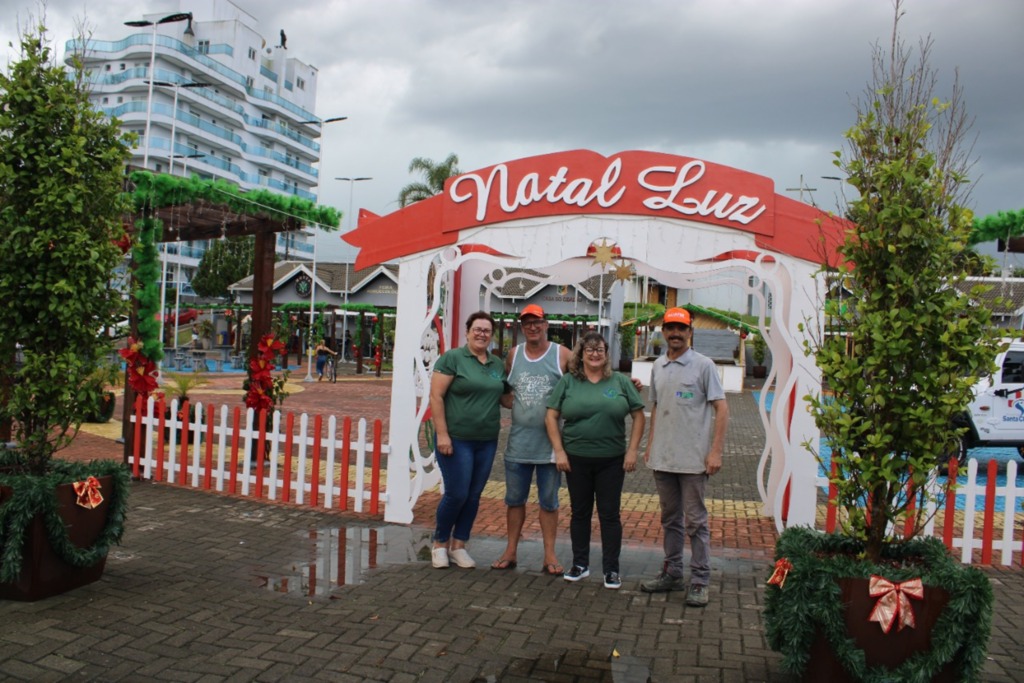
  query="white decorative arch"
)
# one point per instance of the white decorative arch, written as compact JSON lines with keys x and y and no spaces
{"x":538,"y":228}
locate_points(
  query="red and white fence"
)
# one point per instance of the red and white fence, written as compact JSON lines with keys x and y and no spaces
{"x":976,"y":535}
{"x":307,"y":466}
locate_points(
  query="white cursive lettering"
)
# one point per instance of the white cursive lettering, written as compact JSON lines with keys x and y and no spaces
{"x":577,"y":192}
{"x":687,"y":175}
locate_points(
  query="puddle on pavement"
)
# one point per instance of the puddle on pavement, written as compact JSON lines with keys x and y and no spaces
{"x":342,"y":556}
{"x":582,"y":666}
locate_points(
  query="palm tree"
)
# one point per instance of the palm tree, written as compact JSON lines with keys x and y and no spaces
{"x":435,"y":175}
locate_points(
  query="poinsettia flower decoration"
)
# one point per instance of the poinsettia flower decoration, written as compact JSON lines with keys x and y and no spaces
{"x":262,"y":390}
{"x":142,"y":371}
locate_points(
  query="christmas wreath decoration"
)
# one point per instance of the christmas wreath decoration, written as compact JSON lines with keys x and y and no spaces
{"x":33,"y":495}
{"x":803,"y":599}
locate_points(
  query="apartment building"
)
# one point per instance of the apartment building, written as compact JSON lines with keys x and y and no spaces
{"x":219,"y":99}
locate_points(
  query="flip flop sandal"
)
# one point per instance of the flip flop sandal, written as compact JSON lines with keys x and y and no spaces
{"x":552,"y":569}
{"x":502,"y":565}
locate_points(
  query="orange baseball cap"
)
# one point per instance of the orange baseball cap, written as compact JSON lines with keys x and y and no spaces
{"x":677,"y":315}
{"x":532,"y":309}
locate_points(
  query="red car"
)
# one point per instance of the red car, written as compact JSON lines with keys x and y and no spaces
{"x":187,"y":316}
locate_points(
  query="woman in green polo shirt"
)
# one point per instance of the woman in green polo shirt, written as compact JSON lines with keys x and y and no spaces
{"x":465,"y":391}
{"x":591,"y":449}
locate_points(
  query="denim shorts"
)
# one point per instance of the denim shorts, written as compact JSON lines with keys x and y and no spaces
{"x":517,"y":484}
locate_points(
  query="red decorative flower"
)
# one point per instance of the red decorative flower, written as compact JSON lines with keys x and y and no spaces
{"x":262,"y":389}
{"x":142,"y":371}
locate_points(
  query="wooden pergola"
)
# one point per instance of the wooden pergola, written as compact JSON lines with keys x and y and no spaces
{"x":204,"y":220}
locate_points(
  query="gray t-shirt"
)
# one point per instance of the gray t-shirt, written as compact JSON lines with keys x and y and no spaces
{"x":682,"y":391}
{"x":532,"y":381}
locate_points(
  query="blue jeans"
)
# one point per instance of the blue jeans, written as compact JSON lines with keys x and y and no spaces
{"x":517,"y":484}
{"x":321,"y":361}
{"x":464,"y":473}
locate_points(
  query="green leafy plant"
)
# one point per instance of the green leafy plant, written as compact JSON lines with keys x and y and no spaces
{"x":180,"y":383}
{"x":61,"y":171}
{"x":899,"y":357}
{"x":758,"y":349}
{"x":917,"y":344}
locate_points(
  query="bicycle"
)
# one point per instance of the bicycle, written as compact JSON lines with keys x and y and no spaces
{"x":331,"y":370}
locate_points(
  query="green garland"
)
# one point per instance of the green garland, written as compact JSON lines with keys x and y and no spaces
{"x":147,"y":290}
{"x":809,"y":603}
{"x":160,"y":189}
{"x":35,"y":495}
{"x":997,"y":226}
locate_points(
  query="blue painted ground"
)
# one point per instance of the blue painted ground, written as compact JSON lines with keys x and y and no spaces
{"x":982,"y":455}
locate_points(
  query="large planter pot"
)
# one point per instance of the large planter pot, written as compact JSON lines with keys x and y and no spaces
{"x":759,"y":371}
{"x":888,"y":650}
{"x":819,"y":617}
{"x":105,"y":410}
{"x":61,"y":545}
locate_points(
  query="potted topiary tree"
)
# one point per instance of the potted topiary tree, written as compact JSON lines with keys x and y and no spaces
{"x":61,"y":169}
{"x":758,"y":349}
{"x":875,"y":602}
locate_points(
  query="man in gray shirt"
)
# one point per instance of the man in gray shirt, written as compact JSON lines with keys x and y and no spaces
{"x":688,"y":421}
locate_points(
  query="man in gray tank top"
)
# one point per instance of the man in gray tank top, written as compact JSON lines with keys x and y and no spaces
{"x":533,"y":370}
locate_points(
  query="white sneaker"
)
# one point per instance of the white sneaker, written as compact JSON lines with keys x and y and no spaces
{"x":439,"y":558}
{"x":461,"y":558}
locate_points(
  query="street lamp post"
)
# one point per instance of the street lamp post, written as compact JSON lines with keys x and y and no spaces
{"x":348,"y":267}
{"x":312,"y":289}
{"x":170,"y":18}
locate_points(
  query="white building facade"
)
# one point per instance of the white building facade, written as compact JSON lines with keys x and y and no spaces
{"x":225,"y":103}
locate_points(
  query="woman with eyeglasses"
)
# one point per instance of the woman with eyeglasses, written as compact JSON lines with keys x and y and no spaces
{"x":465,"y":391}
{"x":592,"y":450}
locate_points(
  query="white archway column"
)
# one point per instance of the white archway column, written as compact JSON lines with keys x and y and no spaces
{"x":410,"y":394}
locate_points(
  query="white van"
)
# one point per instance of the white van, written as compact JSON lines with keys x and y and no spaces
{"x":995,"y":417}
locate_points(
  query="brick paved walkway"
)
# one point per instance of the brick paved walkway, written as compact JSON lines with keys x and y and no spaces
{"x":207,"y":587}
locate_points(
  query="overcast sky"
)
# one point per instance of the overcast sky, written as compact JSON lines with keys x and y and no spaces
{"x":764,"y":86}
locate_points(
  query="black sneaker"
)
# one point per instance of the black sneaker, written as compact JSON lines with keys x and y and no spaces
{"x":576,"y":573}
{"x":612,"y":580}
{"x":663,"y":583}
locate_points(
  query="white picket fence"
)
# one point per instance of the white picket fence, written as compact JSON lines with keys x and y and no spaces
{"x":978,"y":535}
{"x":304,"y":467}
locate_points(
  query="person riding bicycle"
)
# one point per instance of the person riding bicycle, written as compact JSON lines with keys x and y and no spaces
{"x":322,"y":350}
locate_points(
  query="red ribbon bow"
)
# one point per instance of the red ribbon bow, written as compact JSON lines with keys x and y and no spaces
{"x":782,"y":569}
{"x":893,"y":604}
{"x":88,"y":493}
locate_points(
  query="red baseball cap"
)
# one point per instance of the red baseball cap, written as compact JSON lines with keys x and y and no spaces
{"x":532,"y":309}
{"x":677,"y":315}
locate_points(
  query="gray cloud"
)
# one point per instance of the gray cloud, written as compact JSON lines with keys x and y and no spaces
{"x":763,"y":86}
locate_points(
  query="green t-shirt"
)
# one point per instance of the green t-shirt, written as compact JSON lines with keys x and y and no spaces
{"x":471,"y":405}
{"x":595,"y":414}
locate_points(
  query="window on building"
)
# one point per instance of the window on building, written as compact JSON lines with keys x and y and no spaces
{"x":203,"y":47}
{"x":252,"y":53}
{"x":248,"y":81}
{"x":106,"y":67}
{"x":120,"y":99}
{"x":105,"y":100}
{"x":300,"y":83}
{"x":122,"y":66}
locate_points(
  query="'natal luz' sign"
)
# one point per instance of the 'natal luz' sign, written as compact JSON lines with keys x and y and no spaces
{"x":585,"y":182}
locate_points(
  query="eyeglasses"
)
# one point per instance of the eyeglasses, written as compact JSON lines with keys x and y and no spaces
{"x":483,"y":331}
{"x":594,"y":350}
{"x":532,"y":324}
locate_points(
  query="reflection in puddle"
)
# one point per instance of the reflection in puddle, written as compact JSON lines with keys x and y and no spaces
{"x":341,"y":556}
{"x":582,"y":666}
